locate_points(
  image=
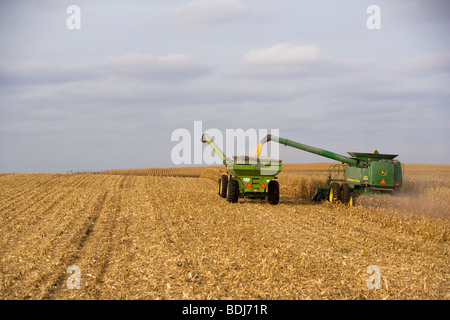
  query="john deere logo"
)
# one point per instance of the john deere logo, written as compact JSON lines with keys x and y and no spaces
{"x":383,"y":172}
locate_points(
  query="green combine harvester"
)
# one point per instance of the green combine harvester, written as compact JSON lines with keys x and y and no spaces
{"x":362,"y":173}
{"x":247,"y":176}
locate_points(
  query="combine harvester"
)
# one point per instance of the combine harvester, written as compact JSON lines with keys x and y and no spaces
{"x":247,"y":176}
{"x":362,"y":173}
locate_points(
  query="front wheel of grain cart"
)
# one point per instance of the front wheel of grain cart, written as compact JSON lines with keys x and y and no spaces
{"x":273,"y":192}
{"x":223,"y":185}
{"x":352,"y":199}
{"x":345,"y":193}
{"x":233,"y":191}
{"x":335,"y":190}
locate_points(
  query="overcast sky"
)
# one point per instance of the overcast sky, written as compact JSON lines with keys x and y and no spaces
{"x":109,"y":95}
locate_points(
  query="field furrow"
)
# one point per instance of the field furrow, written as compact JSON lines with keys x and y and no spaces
{"x":34,"y":252}
{"x":161,"y":237}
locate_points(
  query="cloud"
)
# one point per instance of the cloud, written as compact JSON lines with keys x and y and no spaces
{"x":291,"y":59}
{"x":32,"y":71}
{"x":209,"y":12}
{"x":285,"y":53}
{"x":429,"y":64}
{"x":144,"y":67}
{"x":169,"y":67}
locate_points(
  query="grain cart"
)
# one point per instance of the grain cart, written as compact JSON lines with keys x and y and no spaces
{"x":247,"y":176}
{"x":362,"y":173}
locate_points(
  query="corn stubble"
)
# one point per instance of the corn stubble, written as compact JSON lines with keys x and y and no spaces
{"x":135,"y":235}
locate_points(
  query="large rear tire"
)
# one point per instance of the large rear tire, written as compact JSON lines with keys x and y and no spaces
{"x":345,"y":193}
{"x":335,"y":192}
{"x":223,"y":185}
{"x":233,"y":191}
{"x":273,"y":195}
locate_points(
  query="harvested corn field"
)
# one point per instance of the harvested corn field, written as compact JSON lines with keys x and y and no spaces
{"x":162,"y":237}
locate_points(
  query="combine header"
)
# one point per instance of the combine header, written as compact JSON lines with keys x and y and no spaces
{"x":247,"y":176}
{"x":362,"y":173}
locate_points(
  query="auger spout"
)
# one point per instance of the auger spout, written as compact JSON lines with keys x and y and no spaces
{"x":206,"y":138}
{"x":301,"y":146}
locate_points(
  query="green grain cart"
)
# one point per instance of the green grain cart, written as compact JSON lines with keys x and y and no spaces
{"x":247,"y":176}
{"x":362,"y":173}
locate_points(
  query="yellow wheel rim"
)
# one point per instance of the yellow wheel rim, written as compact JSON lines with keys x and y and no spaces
{"x":331,"y":195}
{"x":220,"y":185}
{"x":350,"y":202}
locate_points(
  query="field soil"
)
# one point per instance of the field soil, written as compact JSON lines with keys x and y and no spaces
{"x":144,"y":236}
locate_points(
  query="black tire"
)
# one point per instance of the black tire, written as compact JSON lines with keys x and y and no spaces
{"x":219,"y":185}
{"x":273,"y":192}
{"x":223,"y":186}
{"x":345,"y":193}
{"x":335,"y":192}
{"x":233,"y":191}
{"x":352,"y":199}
